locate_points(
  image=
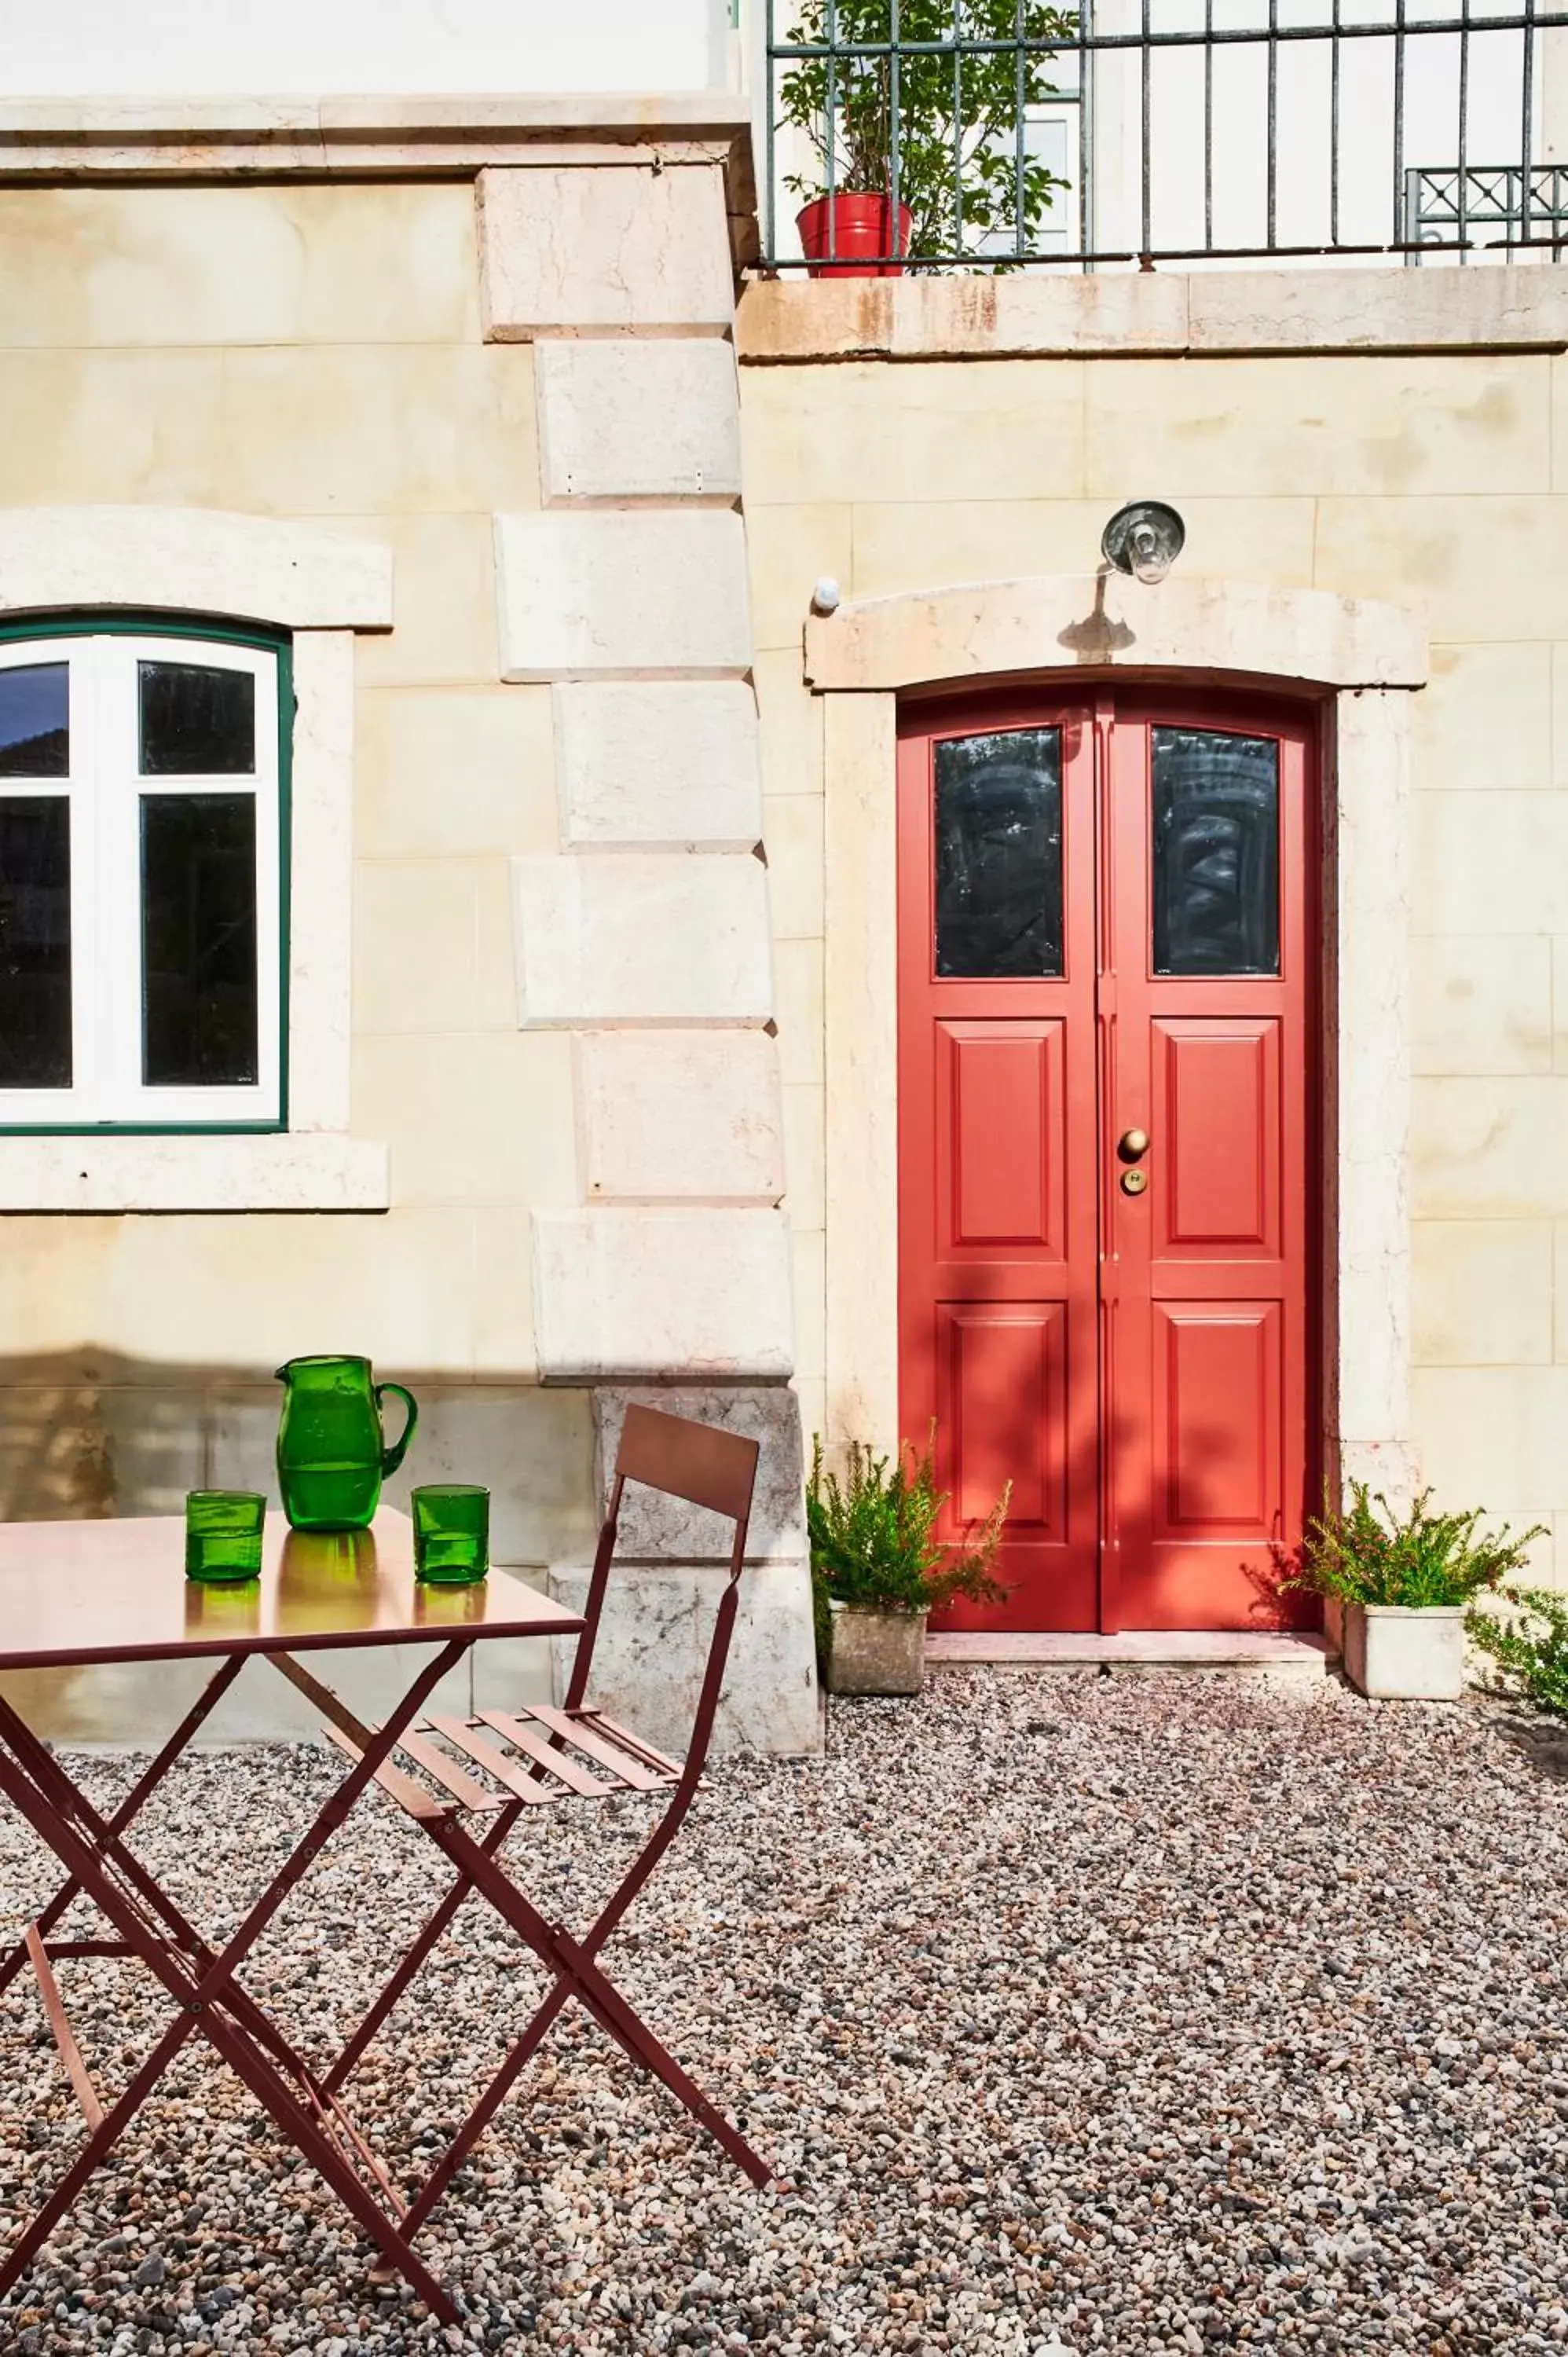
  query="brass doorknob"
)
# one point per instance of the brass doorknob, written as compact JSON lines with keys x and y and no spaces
{"x":1133,"y":1144}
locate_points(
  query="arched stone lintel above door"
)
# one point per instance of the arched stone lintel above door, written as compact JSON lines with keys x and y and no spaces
{"x":1359,"y":660}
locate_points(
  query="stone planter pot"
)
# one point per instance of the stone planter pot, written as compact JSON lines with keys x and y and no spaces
{"x":1397,"y":1654}
{"x":874,"y":1652}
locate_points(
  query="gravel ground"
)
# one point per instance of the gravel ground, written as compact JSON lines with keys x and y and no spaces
{"x":1165,"y":2013}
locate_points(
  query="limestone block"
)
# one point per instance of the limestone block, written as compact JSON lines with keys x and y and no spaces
{"x":1481,"y":1003}
{"x":1481,"y":1292}
{"x":796,"y":872}
{"x":653,"y":1645}
{"x":685,"y":1116}
{"x":446,"y":632}
{"x":642,"y":937}
{"x":232,"y":1299}
{"x":617,"y":248}
{"x":1493,"y":1435}
{"x":1060,"y":620}
{"x":372,"y":262}
{"x":1349,"y":310}
{"x":470,"y":1116}
{"x":798,"y":979}
{"x":433,"y":946}
{"x":1026,"y":316}
{"x":321,"y":828}
{"x":662,"y":764}
{"x":1485,"y":718}
{"x":1484,"y":564}
{"x":651,"y":1295}
{"x":642,"y":419}
{"x":1207,"y":425}
{"x":193,"y":560}
{"x":860,"y":1025}
{"x":618,"y":594}
{"x":414,"y":744}
{"x":1495,"y":861}
{"x":300,"y":1171}
{"x":805,"y":1155}
{"x":946,"y":431}
{"x":1489,"y":1149}
{"x":655,"y":1528}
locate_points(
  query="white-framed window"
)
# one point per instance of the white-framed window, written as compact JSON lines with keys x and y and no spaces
{"x":143,"y":835}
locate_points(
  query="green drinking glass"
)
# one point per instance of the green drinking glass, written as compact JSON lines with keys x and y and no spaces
{"x":452,"y":1533}
{"x":224,"y":1534}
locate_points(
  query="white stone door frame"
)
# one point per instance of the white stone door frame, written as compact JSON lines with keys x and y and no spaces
{"x":1358,"y":663}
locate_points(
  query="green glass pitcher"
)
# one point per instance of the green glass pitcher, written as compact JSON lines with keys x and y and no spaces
{"x":332,"y":1452}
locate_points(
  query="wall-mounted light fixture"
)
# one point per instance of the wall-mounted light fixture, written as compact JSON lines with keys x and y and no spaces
{"x":1145,"y":538}
{"x":825,"y":595}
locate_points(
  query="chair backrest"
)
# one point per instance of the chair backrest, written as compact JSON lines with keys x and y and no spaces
{"x":706,"y":1467}
{"x":694,"y":1461}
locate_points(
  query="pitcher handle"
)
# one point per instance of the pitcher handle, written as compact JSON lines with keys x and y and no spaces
{"x":392,"y":1457}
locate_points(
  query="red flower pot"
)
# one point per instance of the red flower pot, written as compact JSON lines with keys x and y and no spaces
{"x":855,"y":228}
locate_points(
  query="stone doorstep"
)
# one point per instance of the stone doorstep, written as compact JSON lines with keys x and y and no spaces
{"x":1245,"y":1652}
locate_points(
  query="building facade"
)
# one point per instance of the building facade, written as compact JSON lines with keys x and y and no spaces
{"x":572,"y":949}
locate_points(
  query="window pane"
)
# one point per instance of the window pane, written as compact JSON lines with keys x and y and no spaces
{"x":199,"y":940}
{"x":196,"y":721}
{"x":1217,"y":853}
{"x":35,"y":715}
{"x":999,"y":854}
{"x":35,"y":942}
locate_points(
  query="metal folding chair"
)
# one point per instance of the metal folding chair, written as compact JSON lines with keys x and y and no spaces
{"x":537,"y":1757}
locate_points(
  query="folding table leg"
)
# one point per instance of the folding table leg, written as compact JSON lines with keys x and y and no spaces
{"x":227,"y":2016}
{"x":211,"y":1693}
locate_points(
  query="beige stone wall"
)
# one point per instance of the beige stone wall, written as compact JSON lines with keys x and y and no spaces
{"x":562,"y":1016}
{"x":1437,"y":482}
{"x":314,"y":352}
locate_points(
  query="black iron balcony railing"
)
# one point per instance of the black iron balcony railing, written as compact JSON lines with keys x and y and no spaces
{"x":986,"y":135}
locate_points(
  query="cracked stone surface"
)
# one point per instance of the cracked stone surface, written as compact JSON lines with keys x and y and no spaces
{"x":1169,"y":2015}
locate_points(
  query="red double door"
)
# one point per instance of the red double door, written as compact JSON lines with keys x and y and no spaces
{"x":1107,"y":1037}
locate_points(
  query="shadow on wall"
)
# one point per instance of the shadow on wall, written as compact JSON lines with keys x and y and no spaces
{"x":85,"y":1433}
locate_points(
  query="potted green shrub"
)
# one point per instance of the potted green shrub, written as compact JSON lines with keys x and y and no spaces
{"x":1402,"y":1583}
{"x":958,"y":187}
{"x":877,"y":1567}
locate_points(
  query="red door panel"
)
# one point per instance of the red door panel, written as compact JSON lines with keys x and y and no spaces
{"x":1206,"y":1405}
{"x":996,"y":1082}
{"x":1106,"y":929}
{"x":1002,"y":1415}
{"x":1216,"y":1098}
{"x":998,"y":1233}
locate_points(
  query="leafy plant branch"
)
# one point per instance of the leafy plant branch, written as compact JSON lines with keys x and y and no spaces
{"x":953,"y":114}
{"x":1364,"y":1555}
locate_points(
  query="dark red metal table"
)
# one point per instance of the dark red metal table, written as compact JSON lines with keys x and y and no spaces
{"x":79,"y":1593}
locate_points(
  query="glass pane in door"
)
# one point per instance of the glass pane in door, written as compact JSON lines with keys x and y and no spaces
{"x":999,"y":854}
{"x":198,"y":941}
{"x":1216,"y":853}
{"x":196,"y":721}
{"x":34,"y":720}
{"x":35,"y":942}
